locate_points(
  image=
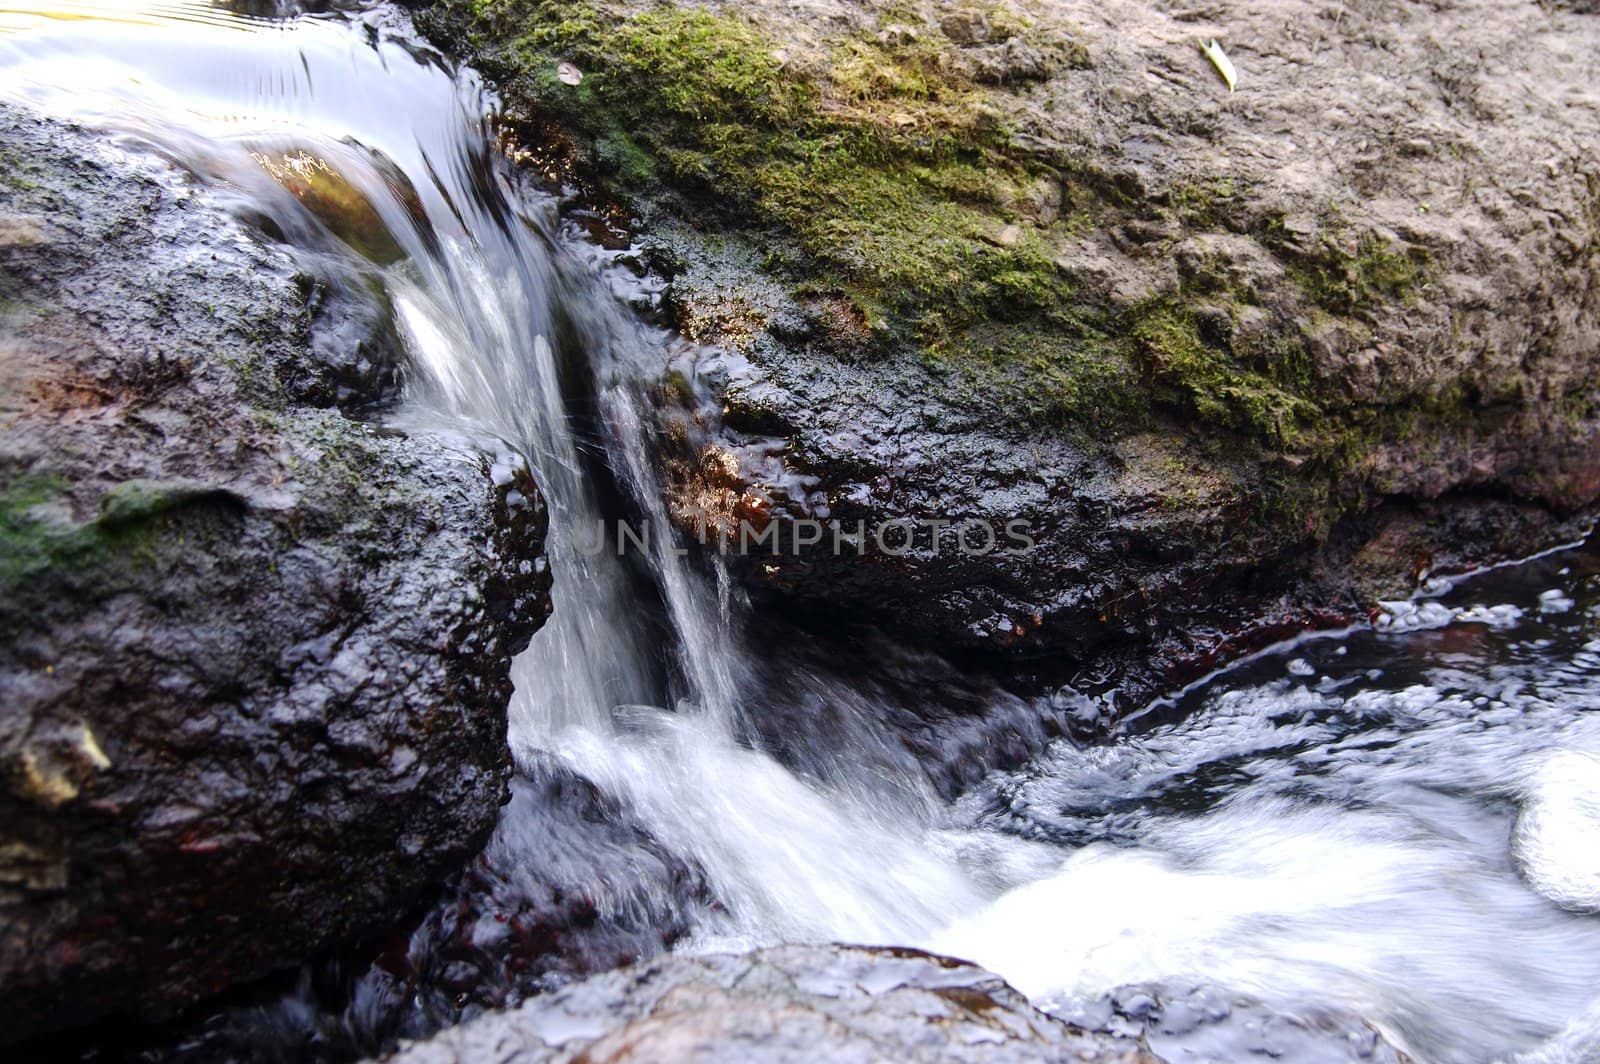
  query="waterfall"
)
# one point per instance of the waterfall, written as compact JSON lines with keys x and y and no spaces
{"x":1331,"y":864}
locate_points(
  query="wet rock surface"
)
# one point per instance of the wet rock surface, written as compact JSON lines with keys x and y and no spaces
{"x":255,"y":671}
{"x":1242,"y":362}
{"x":1205,"y":1025}
{"x":568,"y":886}
{"x":1118,"y":574}
{"x":790,"y":1003}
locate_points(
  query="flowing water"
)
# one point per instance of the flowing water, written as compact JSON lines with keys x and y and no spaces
{"x":1400,"y":828}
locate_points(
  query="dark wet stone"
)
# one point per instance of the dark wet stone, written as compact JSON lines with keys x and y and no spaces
{"x":1412,"y":258}
{"x":568,"y":886}
{"x":356,"y":357}
{"x":255,"y":667}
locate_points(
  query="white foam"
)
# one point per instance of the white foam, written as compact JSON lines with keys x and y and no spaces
{"x":1303,"y":910}
{"x":1557,"y":836}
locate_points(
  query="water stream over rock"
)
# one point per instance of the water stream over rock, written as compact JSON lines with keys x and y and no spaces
{"x":1395,"y":827}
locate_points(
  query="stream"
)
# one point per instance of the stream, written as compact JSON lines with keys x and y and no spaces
{"x":1392,"y":831}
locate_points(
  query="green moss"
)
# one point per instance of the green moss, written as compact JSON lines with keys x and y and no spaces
{"x":1063,"y":375}
{"x":1353,"y":275}
{"x":15,"y":172}
{"x":135,"y":501}
{"x":897,"y":187}
{"x":1209,"y":382}
{"x":873,"y":172}
{"x":37,"y":536}
{"x":675,"y":90}
{"x":887,"y":175}
{"x":29,"y":538}
{"x":1209,"y":203}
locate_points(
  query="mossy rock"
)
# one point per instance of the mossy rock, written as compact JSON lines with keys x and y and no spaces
{"x":876,"y":163}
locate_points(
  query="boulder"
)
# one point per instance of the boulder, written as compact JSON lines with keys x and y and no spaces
{"x":1240,"y":362}
{"x":793,"y":1003}
{"x":255,"y":665}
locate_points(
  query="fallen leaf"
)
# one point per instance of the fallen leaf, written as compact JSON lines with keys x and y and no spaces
{"x":1220,"y":60}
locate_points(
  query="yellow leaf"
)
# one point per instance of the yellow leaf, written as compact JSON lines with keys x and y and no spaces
{"x":1220,"y":60}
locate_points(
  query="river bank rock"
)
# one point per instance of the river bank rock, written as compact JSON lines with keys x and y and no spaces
{"x":794,"y":1003}
{"x":254,"y":677}
{"x":1242,"y":362}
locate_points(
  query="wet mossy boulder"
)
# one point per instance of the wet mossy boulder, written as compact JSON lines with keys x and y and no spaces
{"x":255,"y":658}
{"x":1245,"y":361}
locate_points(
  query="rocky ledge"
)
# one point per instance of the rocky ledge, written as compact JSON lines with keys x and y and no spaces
{"x":1243,"y":362}
{"x":255,"y":669}
{"x":795,"y":1003}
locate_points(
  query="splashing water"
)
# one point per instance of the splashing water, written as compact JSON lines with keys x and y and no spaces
{"x":1402,"y":825}
{"x":481,"y":291}
{"x":1335,"y":828}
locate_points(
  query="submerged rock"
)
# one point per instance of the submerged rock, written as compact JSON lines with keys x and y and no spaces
{"x":255,"y":668}
{"x":1240,"y":363}
{"x":795,"y":1003}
